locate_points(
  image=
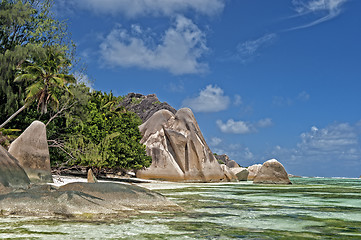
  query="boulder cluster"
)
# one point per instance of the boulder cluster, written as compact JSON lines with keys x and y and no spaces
{"x":172,"y":138}
{"x":179,"y":151}
{"x":25,"y":172}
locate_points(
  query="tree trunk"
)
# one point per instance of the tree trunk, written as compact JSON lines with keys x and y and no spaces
{"x":16,"y":113}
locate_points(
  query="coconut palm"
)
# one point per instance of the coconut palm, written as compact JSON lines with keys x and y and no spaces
{"x":46,"y":79}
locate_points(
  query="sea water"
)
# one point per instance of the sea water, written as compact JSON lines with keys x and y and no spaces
{"x":310,"y":208}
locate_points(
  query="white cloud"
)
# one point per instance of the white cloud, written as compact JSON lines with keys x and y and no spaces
{"x":335,"y":148}
{"x":137,"y":8}
{"x":329,"y":9}
{"x":288,"y":101}
{"x":215,"y":141}
{"x":237,"y":100}
{"x":303,"y":96}
{"x":267,"y":122}
{"x":248,"y":50}
{"x":179,"y":51}
{"x":241,"y":127}
{"x":336,"y":139}
{"x":211,"y":99}
{"x":83,"y":78}
{"x":236,"y":127}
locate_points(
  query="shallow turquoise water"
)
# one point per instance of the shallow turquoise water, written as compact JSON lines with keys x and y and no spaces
{"x":311,"y":208}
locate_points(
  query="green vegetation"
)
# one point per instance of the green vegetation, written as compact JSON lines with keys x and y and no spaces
{"x":36,"y":83}
{"x":108,"y":137}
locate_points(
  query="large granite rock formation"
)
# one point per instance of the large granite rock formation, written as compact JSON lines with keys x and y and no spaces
{"x":225,"y":160}
{"x":231,"y":177}
{"x":32,"y":152}
{"x":241,"y":173}
{"x":252,"y":171}
{"x":12,"y":175}
{"x":83,"y":200}
{"x":144,"y":106}
{"x":178,"y":149}
{"x":272,"y":172}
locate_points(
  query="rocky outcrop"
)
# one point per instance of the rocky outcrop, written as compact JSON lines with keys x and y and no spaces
{"x":32,"y":152}
{"x":178,"y":150}
{"x":252,"y":171}
{"x":241,"y":173}
{"x":272,"y":172}
{"x":144,"y":106}
{"x":83,"y":200}
{"x":224,"y":159}
{"x":12,"y":175}
{"x":231,"y":177}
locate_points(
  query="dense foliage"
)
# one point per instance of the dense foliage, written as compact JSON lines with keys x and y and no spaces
{"x":83,"y":127}
{"x":109,"y":136}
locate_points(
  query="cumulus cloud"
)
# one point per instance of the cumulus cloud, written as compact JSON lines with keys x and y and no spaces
{"x":329,"y":9}
{"x":137,"y":8}
{"x":288,"y":101}
{"x":267,"y":122}
{"x":248,"y":50}
{"x":303,"y":96}
{"x":211,"y":99}
{"x":237,"y":100}
{"x":179,"y":51}
{"x":84,"y":79}
{"x":236,"y":127}
{"x":335,"y":147}
{"x":215,"y":141}
{"x":241,"y":127}
{"x":338,"y":140}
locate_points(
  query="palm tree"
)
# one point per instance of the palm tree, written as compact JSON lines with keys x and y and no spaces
{"x":46,"y":78}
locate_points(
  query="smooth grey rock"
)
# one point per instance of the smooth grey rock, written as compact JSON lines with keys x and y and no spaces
{"x":241,"y":173}
{"x":12,"y":175}
{"x":272,"y":172}
{"x":32,"y":152}
{"x":84,"y":200}
{"x":178,"y":150}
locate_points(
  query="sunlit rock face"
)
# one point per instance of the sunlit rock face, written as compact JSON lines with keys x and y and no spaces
{"x":178,"y":150}
{"x":32,"y":152}
{"x":272,"y":172}
{"x":252,"y":171}
{"x":241,"y":173}
{"x":11,"y":173}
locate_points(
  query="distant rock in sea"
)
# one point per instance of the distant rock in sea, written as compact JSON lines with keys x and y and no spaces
{"x":272,"y":172}
{"x":144,"y":106}
{"x":178,"y":149}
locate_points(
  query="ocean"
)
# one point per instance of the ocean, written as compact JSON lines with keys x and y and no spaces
{"x":310,"y":208}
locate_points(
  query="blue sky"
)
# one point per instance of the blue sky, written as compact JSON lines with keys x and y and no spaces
{"x":265,"y":79}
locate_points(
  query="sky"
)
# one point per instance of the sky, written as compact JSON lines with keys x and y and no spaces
{"x":264,"y":79}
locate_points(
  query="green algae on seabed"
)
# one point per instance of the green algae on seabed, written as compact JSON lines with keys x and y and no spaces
{"x":308,"y":209}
